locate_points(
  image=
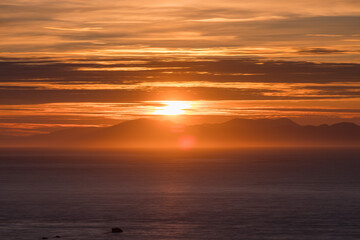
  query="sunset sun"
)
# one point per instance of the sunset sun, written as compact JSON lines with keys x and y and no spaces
{"x":172,"y":108}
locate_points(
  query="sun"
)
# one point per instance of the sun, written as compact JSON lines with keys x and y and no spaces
{"x":172,"y":108}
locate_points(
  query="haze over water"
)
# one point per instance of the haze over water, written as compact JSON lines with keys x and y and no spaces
{"x":244,"y":194}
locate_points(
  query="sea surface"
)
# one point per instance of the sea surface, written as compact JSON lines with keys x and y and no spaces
{"x":247,"y":194}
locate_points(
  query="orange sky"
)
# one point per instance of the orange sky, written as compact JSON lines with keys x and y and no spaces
{"x":94,"y":63}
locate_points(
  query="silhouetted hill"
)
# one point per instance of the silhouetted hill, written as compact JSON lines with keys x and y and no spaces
{"x":234,"y":133}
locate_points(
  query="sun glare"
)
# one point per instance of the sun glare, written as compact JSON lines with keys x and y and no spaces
{"x":172,"y":108}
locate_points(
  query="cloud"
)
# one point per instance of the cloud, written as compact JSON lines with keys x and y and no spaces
{"x":220,"y":28}
{"x":113,"y":70}
{"x":224,"y":20}
{"x":324,"y":35}
{"x":320,"y":51}
{"x":83,"y":29}
{"x":126,"y":69}
{"x":24,"y":81}
{"x":351,"y":40}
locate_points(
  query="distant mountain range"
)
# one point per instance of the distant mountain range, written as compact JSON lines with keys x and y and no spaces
{"x":148,"y":133}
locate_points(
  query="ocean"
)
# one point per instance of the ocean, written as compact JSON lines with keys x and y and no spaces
{"x":244,"y":194}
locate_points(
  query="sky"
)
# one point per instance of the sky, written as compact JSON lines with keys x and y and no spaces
{"x":77,"y":63}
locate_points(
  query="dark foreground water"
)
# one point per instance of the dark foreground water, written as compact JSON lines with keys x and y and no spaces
{"x":245,"y":194}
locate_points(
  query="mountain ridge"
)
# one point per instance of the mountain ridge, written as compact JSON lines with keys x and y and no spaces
{"x":236,"y":132}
